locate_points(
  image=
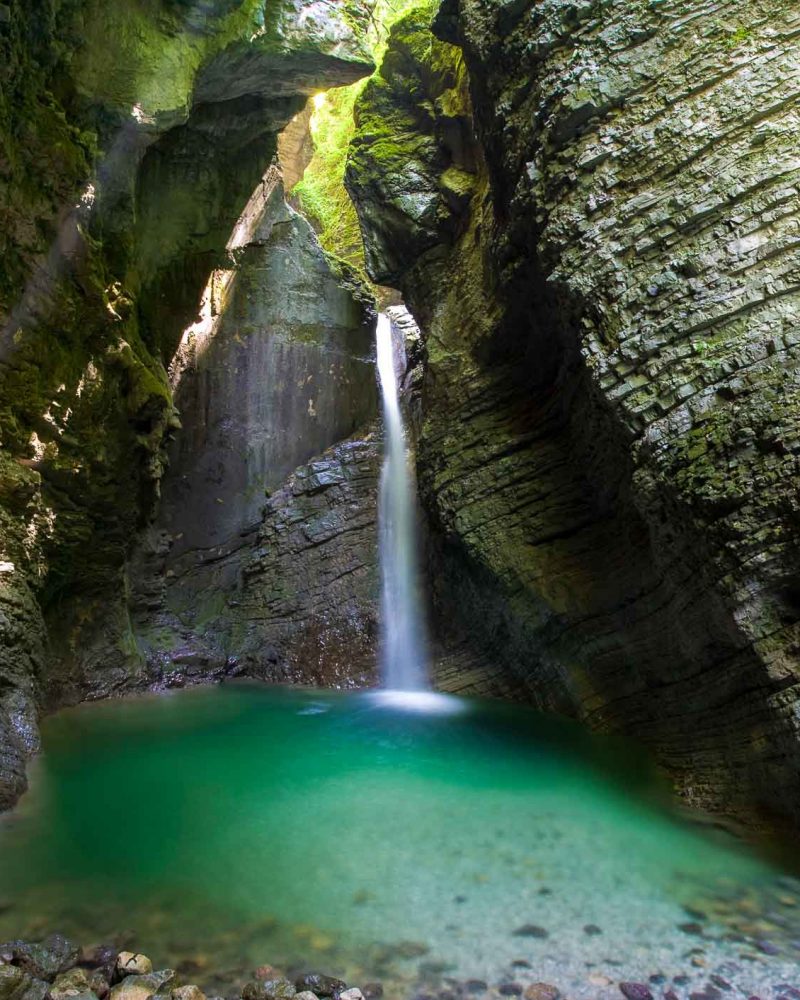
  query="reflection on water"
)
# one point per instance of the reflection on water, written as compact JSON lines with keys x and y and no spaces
{"x":420,"y":843}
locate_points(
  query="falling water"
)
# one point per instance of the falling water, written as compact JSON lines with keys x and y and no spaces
{"x":402,"y":659}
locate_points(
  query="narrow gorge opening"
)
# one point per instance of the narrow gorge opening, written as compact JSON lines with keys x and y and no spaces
{"x":275,"y":278}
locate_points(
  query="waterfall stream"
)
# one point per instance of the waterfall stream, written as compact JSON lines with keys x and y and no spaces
{"x":402,"y":656}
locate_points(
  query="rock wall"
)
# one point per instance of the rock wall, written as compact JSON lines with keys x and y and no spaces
{"x":609,"y":298}
{"x":245,"y":566}
{"x":132,"y":136}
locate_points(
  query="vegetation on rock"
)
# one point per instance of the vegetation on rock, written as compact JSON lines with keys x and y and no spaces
{"x":321,"y":193}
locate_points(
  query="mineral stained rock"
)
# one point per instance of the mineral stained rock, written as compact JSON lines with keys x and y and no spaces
{"x":609,"y":298}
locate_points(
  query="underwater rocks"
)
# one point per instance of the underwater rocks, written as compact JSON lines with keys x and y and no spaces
{"x":635,"y":991}
{"x":610,"y":443}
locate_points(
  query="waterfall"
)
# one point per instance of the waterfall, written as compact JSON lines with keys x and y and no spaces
{"x":402,"y":657}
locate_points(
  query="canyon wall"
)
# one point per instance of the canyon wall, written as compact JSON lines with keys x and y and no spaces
{"x":262,"y":555}
{"x":132,"y":138}
{"x":591,"y":208}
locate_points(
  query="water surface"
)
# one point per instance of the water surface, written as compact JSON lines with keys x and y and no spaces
{"x":218,"y":829}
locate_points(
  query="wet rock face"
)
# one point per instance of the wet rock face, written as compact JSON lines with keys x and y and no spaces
{"x":612,"y":334}
{"x":133,"y":138}
{"x":411,"y":166}
{"x":294,"y":599}
{"x":285,"y":373}
{"x":261,"y":561}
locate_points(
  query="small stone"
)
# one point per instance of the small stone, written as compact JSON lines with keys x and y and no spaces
{"x":133,"y":963}
{"x":272,"y":989}
{"x":70,"y":984}
{"x":635,"y":991}
{"x":592,"y":930}
{"x":542,"y":991}
{"x":598,"y":979}
{"x":723,"y":984}
{"x":189,"y":992}
{"x":476,"y":986}
{"x":509,"y":990}
{"x":531,"y":931}
{"x":767,"y":948}
{"x":98,"y":984}
{"x":266,"y":972}
{"x":305,"y":995}
{"x":323,"y":986}
{"x":657,"y":979}
{"x":521,"y":963}
{"x":354,"y":993}
{"x":692,"y":927}
{"x":372,"y":991}
{"x":142,"y":987}
{"x":698,"y":961}
{"x":670,"y":995}
{"x":5,"y":14}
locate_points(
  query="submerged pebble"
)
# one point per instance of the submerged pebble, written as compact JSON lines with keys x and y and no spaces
{"x":635,"y":991}
{"x":542,"y":991}
{"x":531,"y":931}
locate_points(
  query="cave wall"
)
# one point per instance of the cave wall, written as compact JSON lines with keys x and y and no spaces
{"x":132,"y":137}
{"x":605,"y":277}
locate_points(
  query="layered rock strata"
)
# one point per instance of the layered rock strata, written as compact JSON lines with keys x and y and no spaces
{"x":609,"y":454}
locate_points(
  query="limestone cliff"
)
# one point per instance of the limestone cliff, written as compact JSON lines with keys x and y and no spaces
{"x":258,"y":561}
{"x":606,"y":277}
{"x":132,"y":136}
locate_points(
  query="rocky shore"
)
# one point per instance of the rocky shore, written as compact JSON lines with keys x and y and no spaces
{"x":56,"y":968}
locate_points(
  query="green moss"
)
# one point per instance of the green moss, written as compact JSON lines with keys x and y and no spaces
{"x":321,"y":193}
{"x":737,"y":38}
{"x":134,"y":54}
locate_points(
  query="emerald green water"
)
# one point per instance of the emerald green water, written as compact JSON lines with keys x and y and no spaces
{"x":222,"y":828}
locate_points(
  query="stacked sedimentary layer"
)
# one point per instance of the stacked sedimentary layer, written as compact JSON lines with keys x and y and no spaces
{"x":607,"y":280}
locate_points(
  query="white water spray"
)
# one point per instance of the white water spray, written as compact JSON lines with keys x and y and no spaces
{"x":402,"y":656}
